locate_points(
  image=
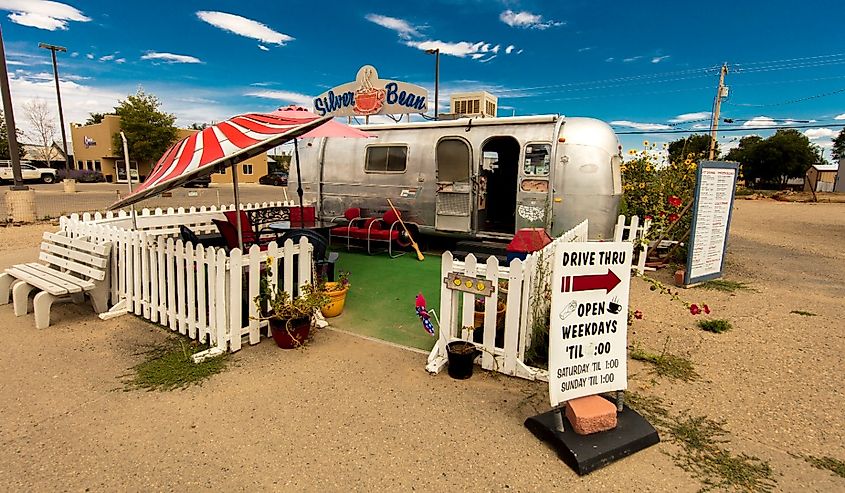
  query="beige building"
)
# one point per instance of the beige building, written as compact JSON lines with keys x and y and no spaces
{"x":92,"y":150}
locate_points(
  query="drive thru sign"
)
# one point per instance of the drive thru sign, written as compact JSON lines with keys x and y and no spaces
{"x":589,"y":319}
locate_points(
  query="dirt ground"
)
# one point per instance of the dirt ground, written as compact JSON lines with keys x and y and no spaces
{"x":352,"y":414}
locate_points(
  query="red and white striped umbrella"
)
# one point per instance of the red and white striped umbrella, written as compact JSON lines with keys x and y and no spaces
{"x":224,"y":144}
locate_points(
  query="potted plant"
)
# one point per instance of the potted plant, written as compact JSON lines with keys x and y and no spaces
{"x":461,"y":355}
{"x":336,"y":291}
{"x":289,"y":318}
{"x":479,"y":312}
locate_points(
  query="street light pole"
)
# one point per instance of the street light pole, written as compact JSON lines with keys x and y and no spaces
{"x":11,"y":130}
{"x":436,"y":53}
{"x":53,"y":49}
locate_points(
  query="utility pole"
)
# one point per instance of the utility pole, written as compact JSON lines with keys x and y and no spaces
{"x":436,"y":53}
{"x":721,"y":92}
{"x":54,"y":49}
{"x":11,"y":130}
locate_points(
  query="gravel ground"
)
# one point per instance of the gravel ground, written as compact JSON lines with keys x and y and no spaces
{"x":352,"y":414}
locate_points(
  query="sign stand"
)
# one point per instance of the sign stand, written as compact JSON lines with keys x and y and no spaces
{"x":588,"y":354}
{"x":586,"y":453}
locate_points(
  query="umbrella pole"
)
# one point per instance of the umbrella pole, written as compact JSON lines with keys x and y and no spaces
{"x":237,"y":207}
{"x":128,"y":176}
{"x":299,"y":184}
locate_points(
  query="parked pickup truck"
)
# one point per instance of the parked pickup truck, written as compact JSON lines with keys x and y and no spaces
{"x":28,"y":173}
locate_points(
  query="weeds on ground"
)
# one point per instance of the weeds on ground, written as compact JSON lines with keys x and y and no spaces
{"x":717,"y":326}
{"x":802,"y":312}
{"x":169,"y":367}
{"x":702,"y":455}
{"x":725,"y":285}
{"x":828,"y":463}
{"x":666,"y":364}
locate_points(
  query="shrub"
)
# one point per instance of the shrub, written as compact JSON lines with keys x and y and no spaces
{"x":81,"y":175}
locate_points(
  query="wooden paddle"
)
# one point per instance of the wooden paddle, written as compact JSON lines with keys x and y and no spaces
{"x":420,"y":256}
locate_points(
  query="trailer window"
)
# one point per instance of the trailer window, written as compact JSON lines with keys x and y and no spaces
{"x":537,"y":158}
{"x":386,"y":159}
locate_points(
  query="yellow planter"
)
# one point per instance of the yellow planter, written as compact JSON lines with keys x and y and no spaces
{"x":338,"y":300}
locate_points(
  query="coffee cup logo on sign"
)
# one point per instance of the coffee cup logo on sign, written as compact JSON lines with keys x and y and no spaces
{"x":368,"y":99}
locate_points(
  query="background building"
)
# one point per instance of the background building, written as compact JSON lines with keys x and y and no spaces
{"x":92,"y":150}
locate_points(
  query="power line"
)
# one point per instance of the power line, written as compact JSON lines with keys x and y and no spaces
{"x":791,"y":101}
{"x":723,"y":129}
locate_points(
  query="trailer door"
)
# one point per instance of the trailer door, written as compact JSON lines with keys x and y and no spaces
{"x":532,"y":198}
{"x":454,"y":191}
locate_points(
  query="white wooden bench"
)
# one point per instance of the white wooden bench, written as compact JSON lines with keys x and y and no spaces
{"x":75,"y":267}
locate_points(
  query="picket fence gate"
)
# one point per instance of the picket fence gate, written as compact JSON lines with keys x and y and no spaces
{"x":528,"y":294}
{"x":205,"y":294}
{"x":636,"y":233}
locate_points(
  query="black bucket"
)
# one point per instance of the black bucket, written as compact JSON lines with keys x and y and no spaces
{"x":461,"y":356}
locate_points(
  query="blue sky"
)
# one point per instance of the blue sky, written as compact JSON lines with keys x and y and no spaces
{"x":643,"y":66}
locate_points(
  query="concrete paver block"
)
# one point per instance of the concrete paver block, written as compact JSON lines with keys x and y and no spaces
{"x":591,"y":414}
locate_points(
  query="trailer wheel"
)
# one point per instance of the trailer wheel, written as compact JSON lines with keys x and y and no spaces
{"x":48,"y":178}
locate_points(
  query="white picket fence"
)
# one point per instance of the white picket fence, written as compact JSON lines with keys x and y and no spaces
{"x":634,"y":232}
{"x":203,"y":293}
{"x":527,"y":294}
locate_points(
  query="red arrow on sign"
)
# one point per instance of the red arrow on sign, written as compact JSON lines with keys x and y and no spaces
{"x":590,"y":282}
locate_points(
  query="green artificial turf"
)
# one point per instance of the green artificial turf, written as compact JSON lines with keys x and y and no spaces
{"x":381,"y":300}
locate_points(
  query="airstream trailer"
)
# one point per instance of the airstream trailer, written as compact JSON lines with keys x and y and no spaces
{"x":481,"y":178}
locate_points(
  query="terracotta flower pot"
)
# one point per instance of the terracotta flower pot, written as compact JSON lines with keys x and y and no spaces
{"x":290,"y":334}
{"x":500,"y":315}
{"x":338,"y":300}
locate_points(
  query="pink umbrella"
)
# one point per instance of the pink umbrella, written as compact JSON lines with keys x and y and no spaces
{"x":331,"y":128}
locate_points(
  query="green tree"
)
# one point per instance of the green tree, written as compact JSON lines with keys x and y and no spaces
{"x":4,"y":139}
{"x":198,"y":126}
{"x":838,"y":151}
{"x":94,"y":118}
{"x":148,"y":130}
{"x":696,"y":144}
{"x":774,"y":160}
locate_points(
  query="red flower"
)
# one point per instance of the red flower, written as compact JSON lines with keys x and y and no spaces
{"x":661,"y":213}
{"x":638,"y":315}
{"x":706,"y":309}
{"x":673,"y":217}
{"x":674,"y":201}
{"x":647,"y":218}
{"x":694,"y":309}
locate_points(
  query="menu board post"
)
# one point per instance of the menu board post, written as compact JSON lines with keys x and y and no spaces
{"x":715,"y":184}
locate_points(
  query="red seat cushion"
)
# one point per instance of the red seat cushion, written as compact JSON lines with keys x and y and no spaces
{"x":246,"y":225}
{"x":359,"y":233}
{"x":384,"y":234}
{"x":341,"y":231}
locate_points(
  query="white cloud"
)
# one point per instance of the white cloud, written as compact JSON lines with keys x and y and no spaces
{"x":586,"y":48}
{"x":42,"y":14}
{"x":244,"y":27}
{"x":402,"y":27}
{"x":120,"y":60}
{"x":170,"y":57}
{"x":527,"y":20}
{"x":263,"y":48}
{"x":509,"y":49}
{"x":640,"y":126}
{"x":659,"y":59}
{"x":689,"y":117}
{"x":89,"y":56}
{"x":839,"y":117}
{"x":760,"y":121}
{"x":700,"y":126}
{"x":288,"y":96}
{"x":107,"y":58}
{"x":74,"y":54}
{"x":461,"y":49}
{"x":820,"y":133}
{"x":609,"y":59}
{"x":16,"y":62}
{"x":495,"y":49}
{"x":631,"y":59}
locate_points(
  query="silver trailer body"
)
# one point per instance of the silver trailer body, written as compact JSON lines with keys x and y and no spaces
{"x":482,"y":178}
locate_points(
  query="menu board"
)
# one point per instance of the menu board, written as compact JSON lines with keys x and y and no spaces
{"x":714,"y":197}
{"x":588,"y":332}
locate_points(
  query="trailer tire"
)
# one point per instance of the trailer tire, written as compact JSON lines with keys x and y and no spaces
{"x":48,"y":178}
